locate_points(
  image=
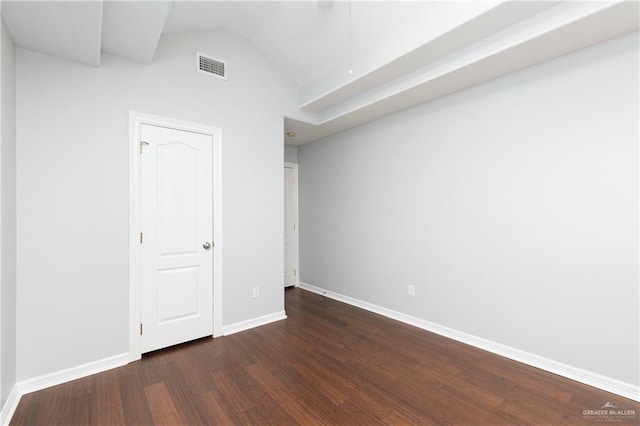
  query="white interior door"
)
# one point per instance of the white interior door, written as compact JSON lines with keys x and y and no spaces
{"x":177,"y":229}
{"x":289,"y":227}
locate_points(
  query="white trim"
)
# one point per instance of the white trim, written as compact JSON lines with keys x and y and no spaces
{"x":73,"y":373}
{"x":53,"y":379}
{"x":10,"y":406}
{"x":296,"y":220}
{"x":608,"y":384}
{"x":254,"y":322}
{"x":136,"y":120}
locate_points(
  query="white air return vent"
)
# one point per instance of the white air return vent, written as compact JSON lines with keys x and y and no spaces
{"x":211,"y":66}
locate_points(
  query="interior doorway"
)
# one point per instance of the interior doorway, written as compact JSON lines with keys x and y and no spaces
{"x":291,"y":250}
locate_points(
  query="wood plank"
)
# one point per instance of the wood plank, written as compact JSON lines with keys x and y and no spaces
{"x":161,"y":405}
{"x":135,"y":407}
{"x":108,"y":404}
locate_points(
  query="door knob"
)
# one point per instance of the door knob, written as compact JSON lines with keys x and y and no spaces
{"x":206,"y":245}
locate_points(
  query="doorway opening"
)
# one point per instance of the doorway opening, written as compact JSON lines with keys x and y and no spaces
{"x":291,"y":228}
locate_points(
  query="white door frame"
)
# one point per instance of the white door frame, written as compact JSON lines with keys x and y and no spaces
{"x":296,"y":240}
{"x":136,"y":120}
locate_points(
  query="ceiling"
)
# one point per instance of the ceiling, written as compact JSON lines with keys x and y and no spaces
{"x":353,"y":62}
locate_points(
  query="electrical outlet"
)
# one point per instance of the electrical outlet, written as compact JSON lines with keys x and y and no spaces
{"x":256,"y":292}
{"x":411,"y":291}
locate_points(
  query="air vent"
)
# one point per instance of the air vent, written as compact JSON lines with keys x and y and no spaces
{"x":211,"y":66}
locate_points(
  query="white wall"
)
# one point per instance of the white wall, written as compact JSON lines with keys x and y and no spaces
{"x":512,"y":207}
{"x":7,"y":214}
{"x":73,"y":185}
{"x":290,"y":154}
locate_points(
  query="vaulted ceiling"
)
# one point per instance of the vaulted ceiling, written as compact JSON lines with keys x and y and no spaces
{"x":353,"y":62}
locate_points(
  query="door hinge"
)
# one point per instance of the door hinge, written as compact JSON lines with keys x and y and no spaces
{"x":295,"y":272}
{"x":143,"y":143}
{"x":141,"y":329}
{"x":141,"y":238}
{"x":294,"y":226}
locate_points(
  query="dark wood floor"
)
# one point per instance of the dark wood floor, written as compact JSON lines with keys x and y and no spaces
{"x":328,"y":363}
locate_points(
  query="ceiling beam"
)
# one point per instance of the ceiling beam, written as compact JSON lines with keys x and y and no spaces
{"x":132,"y":29}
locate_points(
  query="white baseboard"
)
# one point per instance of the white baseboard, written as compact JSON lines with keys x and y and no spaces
{"x":73,"y":373}
{"x":9,"y":406}
{"x":583,"y":376}
{"x":254,"y":322}
{"x":84,"y":370}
